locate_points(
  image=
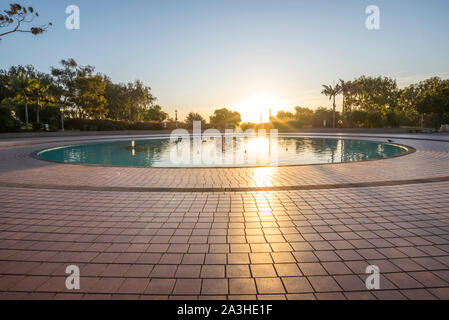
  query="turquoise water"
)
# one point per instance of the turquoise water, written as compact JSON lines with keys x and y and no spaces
{"x":242,"y":152}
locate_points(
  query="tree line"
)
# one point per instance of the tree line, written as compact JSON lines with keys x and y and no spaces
{"x":35,"y":97}
{"x":91,"y":101}
{"x":377,"y":101}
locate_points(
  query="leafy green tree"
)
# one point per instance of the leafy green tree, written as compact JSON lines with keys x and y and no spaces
{"x":193,"y":116}
{"x":224,"y":118}
{"x":303,"y":116}
{"x":90,"y":96}
{"x":66,"y":80}
{"x":13,"y":19}
{"x":155,"y":113}
{"x":433,"y":98}
{"x":285,"y":115}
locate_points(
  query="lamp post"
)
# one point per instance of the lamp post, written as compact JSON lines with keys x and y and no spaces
{"x":62,"y":119}
{"x":176,"y":118}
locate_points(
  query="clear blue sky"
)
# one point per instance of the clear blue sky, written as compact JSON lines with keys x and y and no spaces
{"x":203,"y":54}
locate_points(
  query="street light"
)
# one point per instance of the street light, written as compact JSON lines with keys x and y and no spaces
{"x":176,"y":118}
{"x":62,"y":118}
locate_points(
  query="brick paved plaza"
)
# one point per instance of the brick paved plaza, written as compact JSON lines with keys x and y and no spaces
{"x":303,"y":232}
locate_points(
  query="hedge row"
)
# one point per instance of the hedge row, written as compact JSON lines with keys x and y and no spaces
{"x":110,"y":125}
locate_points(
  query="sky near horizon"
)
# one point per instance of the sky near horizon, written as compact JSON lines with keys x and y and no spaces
{"x":246,"y":55}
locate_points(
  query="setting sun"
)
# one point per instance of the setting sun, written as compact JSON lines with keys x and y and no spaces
{"x":258,"y":107}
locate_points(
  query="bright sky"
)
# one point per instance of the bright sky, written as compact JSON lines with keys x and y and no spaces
{"x":247,"y":55}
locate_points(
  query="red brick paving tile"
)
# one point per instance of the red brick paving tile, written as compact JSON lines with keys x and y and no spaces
{"x":193,"y":258}
{"x":403,"y":280}
{"x":350,"y":282}
{"x":153,"y":297}
{"x":163,"y":271}
{"x":242,"y":286}
{"x":238,"y":258}
{"x":139,"y":271}
{"x":29,"y":283}
{"x":149,"y":258}
{"x":262,"y":270}
{"x":215,"y":258}
{"x":157,"y":248}
{"x":406,"y":264}
{"x":282,"y":257}
{"x":348,"y":255}
{"x":160,"y":286}
{"x":388,"y":295}
{"x":440,"y":293}
{"x":237,"y":271}
{"x":357,"y":267}
{"x":429,"y":279}
{"x":215,"y":286}
{"x":209,"y":298}
{"x":301,"y":296}
{"x":242,"y":297}
{"x":212,"y":271}
{"x":260,"y":247}
{"x":364,"y":295}
{"x":107,"y":285}
{"x":125,"y":297}
{"x":187,"y":287}
{"x":91,"y":270}
{"x":84,"y":257}
{"x":40,"y":296}
{"x":327,"y":256}
{"x":188,"y":271}
{"x":430,"y":263}
{"x":171,"y":258}
{"x":269,"y":285}
{"x":444,"y":274}
{"x":93,"y":296}
{"x":183,"y":297}
{"x":385,"y":266}
{"x":370,"y":254}
{"x":324,"y":284}
{"x":105,"y":257}
{"x":133,"y":285}
{"x":178,"y":248}
{"x":312,"y":269}
{"x":287,"y":270}
{"x":271,"y":297}
{"x":335,"y":268}
{"x":260,"y":258}
{"x":306,"y":256}
{"x":68,"y":296}
{"x":198,"y":248}
{"x":115,"y":270}
{"x":418,"y":294}
{"x":330,"y":296}
{"x":297,"y":285}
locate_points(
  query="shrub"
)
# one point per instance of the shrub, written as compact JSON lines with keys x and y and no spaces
{"x":110,"y":125}
{"x":7,"y":121}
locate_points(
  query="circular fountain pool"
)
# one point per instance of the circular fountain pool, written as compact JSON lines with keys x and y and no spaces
{"x":242,"y":152}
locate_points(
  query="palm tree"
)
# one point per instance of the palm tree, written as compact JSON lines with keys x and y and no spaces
{"x":24,"y":87}
{"x":354,"y":91}
{"x":42,"y":95}
{"x":345,"y":91}
{"x":331,"y":92}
